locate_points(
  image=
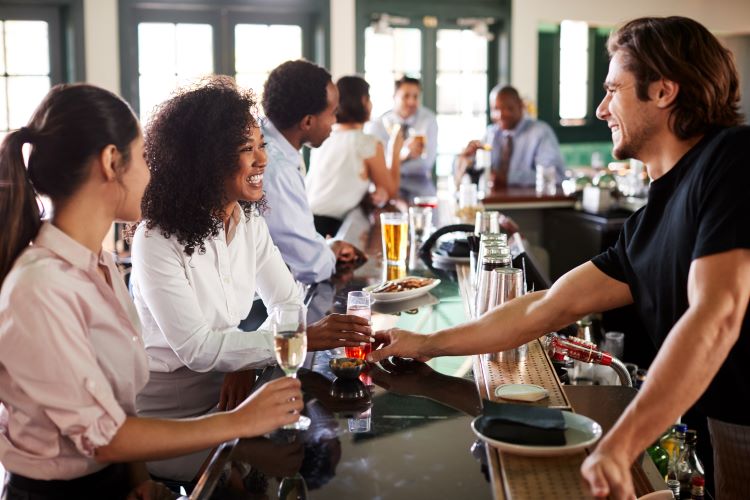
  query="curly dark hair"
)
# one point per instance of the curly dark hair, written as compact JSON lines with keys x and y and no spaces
{"x":294,"y":90}
{"x":192,"y":146}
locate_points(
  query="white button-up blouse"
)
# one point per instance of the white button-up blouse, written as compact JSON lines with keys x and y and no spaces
{"x":191,"y":306}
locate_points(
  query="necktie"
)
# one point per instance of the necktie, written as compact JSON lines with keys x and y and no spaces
{"x":501,"y":179}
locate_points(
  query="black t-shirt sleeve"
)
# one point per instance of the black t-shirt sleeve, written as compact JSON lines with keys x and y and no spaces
{"x":611,"y":261}
{"x":724,"y":198}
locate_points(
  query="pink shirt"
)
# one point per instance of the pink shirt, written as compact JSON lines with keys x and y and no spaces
{"x":71,"y":358}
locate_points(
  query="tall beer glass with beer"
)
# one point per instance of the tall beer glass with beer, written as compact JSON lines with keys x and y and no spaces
{"x":394,"y":228}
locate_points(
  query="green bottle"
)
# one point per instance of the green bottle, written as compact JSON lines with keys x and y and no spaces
{"x":660,"y":457}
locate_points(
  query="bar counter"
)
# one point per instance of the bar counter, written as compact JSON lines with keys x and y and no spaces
{"x":403,"y":431}
{"x":520,"y":198}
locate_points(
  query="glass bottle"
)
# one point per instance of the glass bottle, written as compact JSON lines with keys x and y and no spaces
{"x":697,"y":491}
{"x":689,"y":465}
{"x":660,"y":458}
{"x":674,"y":445}
{"x":674,"y":487}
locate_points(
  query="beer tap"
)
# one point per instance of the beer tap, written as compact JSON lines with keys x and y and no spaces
{"x":559,"y":348}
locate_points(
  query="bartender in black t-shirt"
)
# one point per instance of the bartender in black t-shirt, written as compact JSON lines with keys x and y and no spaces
{"x":683,"y":260}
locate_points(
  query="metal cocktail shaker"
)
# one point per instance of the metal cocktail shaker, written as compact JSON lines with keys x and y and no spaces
{"x":506,"y":284}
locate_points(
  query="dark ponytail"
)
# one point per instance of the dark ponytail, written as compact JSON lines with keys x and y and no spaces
{"x":72,"y":124}
{"x":19,"y":211}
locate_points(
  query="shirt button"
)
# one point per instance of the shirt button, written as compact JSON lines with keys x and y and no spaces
{"x":90,"y":385}
{"x":226,"y":280}
{"x":135,"y":338}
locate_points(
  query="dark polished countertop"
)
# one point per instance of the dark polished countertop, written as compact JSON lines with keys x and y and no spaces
{"x":401,"y":432}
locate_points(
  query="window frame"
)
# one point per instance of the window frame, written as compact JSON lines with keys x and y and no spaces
{"x":312,"y":15}
{"x":446,"y":12}
{"x":548,"y":90}
{"x":64,"y":19}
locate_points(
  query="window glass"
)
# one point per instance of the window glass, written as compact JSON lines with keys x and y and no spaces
{"x":388,"y":56}
{"x":574,"y":58}
{"x":24,"y":71}
{"x":171,"y":55}
{"x":461,"y":92}
{"x":281,"y":42}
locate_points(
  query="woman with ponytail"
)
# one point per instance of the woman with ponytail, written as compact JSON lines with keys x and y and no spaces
{"x":71,"y":352}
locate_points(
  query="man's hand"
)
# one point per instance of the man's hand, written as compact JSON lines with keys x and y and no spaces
{"x":337,"y":330}
{"x":607,"y":473}
{"x":471,"y":149}
{"x":508,"y":225}
{"x":400,"y":343}
{"x":345,"y":252}
{"x":235,"y":388}
{"x":413,"y":148}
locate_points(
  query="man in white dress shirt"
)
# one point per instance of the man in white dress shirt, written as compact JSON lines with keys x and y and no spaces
{"x":420,"y":146}
{"x":300,"y":102}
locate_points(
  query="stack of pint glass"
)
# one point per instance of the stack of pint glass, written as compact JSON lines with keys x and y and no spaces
{"x":487,"y":222}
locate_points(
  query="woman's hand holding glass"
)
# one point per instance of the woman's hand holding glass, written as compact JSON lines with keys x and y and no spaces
{"x":339,"y":330}
{"x":271,"y":406}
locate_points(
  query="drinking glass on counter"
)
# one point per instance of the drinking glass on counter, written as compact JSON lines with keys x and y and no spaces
{"x":289,"y":325}
{"x":425,"y":201}
{"x":546,"y":179}
{"x":358,"y":304}
{"x":420,"y":224}
{"x":361,"y":423}
{"x":394,"y":227}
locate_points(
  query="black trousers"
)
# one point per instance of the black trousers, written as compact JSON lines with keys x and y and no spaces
{"x":112,"y":482}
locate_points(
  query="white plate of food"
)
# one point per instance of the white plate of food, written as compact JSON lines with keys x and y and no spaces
{"x":402,"y":288}
{"x":581,"y":432}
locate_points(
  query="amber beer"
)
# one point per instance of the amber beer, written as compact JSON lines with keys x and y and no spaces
{"x":394,"y":229}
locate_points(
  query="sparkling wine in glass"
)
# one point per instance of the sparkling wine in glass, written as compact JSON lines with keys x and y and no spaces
{"x":358,"y":304}
{"x":289,"y":323}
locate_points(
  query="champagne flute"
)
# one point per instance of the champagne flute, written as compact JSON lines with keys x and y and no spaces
{"x":289,"y":323}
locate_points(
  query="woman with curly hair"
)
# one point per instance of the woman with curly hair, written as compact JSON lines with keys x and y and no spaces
{"x":202,"y":252}
{"x":71,"y":351}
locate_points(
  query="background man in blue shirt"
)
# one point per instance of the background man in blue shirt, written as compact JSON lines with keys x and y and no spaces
{"x":300,"y":103}
{"x":420,"y":145}
{"x":519,"y":143}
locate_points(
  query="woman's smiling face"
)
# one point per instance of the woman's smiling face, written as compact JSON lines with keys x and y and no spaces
{"x":247,"y":183}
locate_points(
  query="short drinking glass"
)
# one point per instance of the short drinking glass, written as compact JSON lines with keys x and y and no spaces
{"x":289,"y":323}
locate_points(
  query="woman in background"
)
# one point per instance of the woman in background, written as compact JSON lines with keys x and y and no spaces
{"x":71,"y":352}
{"x":343,"y":167}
